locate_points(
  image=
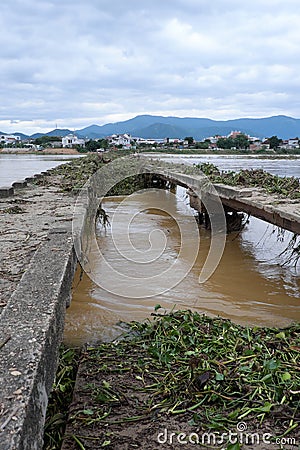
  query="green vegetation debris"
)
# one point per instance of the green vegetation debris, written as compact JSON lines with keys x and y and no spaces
{"x":13,"y":210}
{"x":208,"y":373}
{"x":60,"y":398}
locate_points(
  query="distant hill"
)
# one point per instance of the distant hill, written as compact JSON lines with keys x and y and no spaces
{"x":36,"y":135}
{"x":22,"y":135}
{"x":57,"y":132}
{"x":160,"y":127}
{"x":157,"y":130}
{"x":91,"y":132}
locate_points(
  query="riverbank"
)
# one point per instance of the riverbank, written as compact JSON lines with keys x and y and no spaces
{"x":46,"y":151}
{"x":162,"y":153}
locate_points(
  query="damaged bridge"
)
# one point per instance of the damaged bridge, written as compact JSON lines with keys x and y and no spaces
{"x":282,"y":212}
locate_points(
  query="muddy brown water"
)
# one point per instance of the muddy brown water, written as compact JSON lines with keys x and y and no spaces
{"x":249,"y":286}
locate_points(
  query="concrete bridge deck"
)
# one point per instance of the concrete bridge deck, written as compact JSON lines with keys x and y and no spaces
{"x":279,"y":211}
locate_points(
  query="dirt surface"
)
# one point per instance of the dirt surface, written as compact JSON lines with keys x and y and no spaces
{"x":25,"y":220}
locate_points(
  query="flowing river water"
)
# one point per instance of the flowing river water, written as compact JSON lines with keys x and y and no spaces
{"x":250,"y":286}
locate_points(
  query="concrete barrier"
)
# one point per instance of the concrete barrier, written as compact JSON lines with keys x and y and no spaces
{"x":6,"y":191}
{"x":19,"y":184}
{"x":31,"y":329}
{"x":9,"y":191}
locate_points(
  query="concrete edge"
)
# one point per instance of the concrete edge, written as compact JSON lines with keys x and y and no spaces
{"x":31,"y":330}
{"x":6,"y":191}
{"x":9,"y":191}
{"x":19,"y":184}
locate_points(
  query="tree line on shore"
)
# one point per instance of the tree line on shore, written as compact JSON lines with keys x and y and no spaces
{"x":239,"y":142}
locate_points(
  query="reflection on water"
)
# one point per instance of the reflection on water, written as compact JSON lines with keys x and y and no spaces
{"x":249,"y":285}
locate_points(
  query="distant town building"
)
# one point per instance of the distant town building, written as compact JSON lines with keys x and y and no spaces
{"x":234,"y":134}
{"x":293,"y":143}
{"x":143,"y":141}
{"x":255,"y":143}
{"x":55,"y":144}
{"x":71,"y":140}
{"x":213,"y":139}
{"x":290,"y":144}
{"x":173,"y":141}
{"x":9,"y":139}
{"x":120,"y":139}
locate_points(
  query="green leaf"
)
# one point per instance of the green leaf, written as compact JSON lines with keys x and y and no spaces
{"x":266,"y":408}
{"x":286,"y":376}
{"x":219,"y":376}
{"x":266,"y":378}
{"x":157,"y":307}
{"x":272,"y":364}
{"x":235,"y":446}
{"x":139,"y":378}
{"x":190,"y":353}
{"x":88,"y":412}
{"x":245,"y":369}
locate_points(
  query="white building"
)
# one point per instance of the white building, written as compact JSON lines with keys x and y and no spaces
{"x":71,"y":140}
{"x":9,"y":139}
{"x":140,"y":140}
{"x":293,"y":143}
{"x":120,"y":139}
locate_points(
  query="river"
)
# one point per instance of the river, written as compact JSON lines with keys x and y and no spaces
{"x":250,"y":286}
{"x":17,"y":167}
{"x":288,"y":166}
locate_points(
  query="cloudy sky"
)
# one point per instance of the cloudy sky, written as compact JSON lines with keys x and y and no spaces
{"x":72,"y":63}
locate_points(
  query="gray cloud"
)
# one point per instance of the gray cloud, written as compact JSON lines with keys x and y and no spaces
{"x":74,"y":63}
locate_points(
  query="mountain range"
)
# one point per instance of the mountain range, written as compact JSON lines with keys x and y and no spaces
{"x":159,"y":127}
